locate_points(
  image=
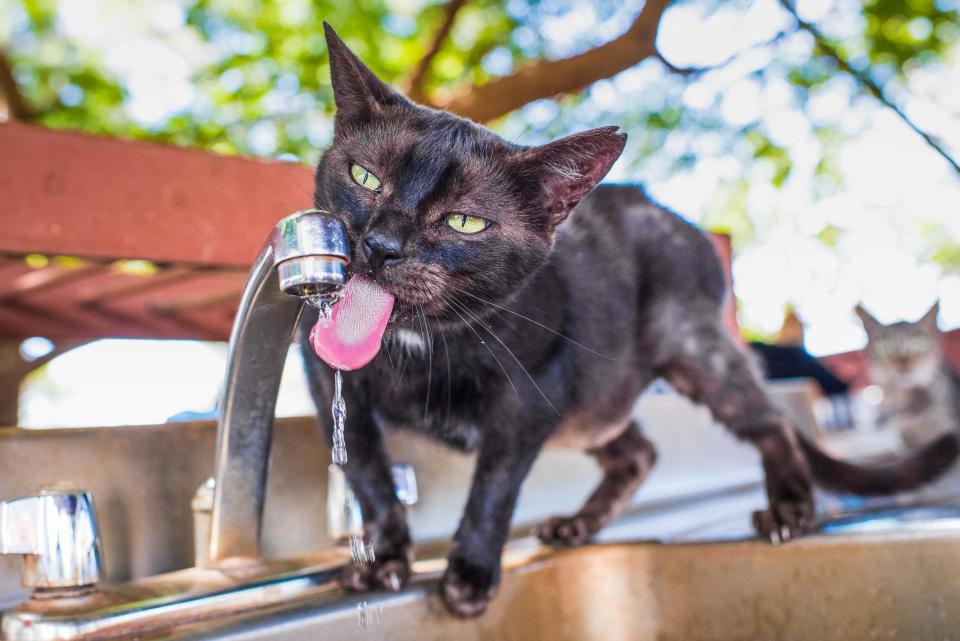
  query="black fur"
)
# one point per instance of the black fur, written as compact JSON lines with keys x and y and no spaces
{"x":532,"y":330}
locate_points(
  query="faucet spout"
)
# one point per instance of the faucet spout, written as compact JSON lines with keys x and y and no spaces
{"x":306,"y":255}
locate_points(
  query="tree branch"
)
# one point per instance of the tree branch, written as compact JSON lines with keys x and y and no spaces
{"x":16,"y":104}
{"x":418,"y":76}
{"x":863,"y":77}
{"x":548,"y":78}
{"x":696,"y":71}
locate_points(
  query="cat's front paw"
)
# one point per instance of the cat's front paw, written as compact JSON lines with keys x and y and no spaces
{"x":790,"y":496}
{"x":391,"y":574}
{"x":790,"y":513}
{"x":785,"y":521}
{"x":467,"y":589}
{"x":565,"y":530}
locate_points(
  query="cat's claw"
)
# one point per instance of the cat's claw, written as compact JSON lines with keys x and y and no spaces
{"x":784,"y":522}
{"x":388,"y":574}
{"x":565,"y":530}
{"x":467,"y":589}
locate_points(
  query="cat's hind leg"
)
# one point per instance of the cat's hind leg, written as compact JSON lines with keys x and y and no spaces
{"x":626,"y":461}
{"x":702,"y":361}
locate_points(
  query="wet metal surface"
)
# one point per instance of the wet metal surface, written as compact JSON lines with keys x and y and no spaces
{"x":893,"y":586}
{"x":899,"y":584}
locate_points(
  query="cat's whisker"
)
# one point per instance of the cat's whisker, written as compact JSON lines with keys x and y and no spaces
{"x":537,"y":323}
{"x":523,"y":133}
{"x":446,"y":354}
{"x":450,"y":305}
{"x":512,"y":355}
{"x":289,"y":175}
{"x":429,"y":343}
{"x":403,"y":368}
{"x":389,"y":352}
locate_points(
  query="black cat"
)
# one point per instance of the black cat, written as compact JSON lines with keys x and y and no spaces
{"x":513,"y":325}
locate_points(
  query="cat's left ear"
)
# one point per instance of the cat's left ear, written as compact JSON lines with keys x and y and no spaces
{"x":929,"y":320}
{"x":569,"y":168}
{"x":357,"y":92}
{"x":870,"y":324}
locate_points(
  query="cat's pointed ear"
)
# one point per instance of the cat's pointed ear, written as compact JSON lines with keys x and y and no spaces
{"x":929,"y":320}
{"x":357,"y":92}
{"x":570,"y":167}
{"x":870,"y":323}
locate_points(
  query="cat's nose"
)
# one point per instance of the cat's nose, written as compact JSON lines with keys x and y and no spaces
{"x":382,"y":249}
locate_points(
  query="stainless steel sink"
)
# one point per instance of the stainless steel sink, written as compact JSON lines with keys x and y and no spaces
{"x":894,"y":585}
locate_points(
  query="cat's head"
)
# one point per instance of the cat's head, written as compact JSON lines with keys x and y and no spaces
{"x":437,"y":207}
{"x":903,"y":354}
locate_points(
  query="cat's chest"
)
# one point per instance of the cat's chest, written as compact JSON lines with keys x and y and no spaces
{"x":452,"y":428}
{"x":439,"y":402}
{"x":922,"y":413}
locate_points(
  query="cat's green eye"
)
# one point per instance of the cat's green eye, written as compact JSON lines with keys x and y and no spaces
{"x":467,"y":224}
{"x":363,"y":177}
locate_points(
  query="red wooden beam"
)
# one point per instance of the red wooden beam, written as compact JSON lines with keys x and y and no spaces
{"x":724,"y":247}
{"x":82,"y":195}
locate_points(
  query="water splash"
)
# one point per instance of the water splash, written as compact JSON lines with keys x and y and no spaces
{"x":361,"y":550}
{"x":368,"y":616}
{"x":323,"y":303}
{"x":394,"y":582}
{"x":339,"y":411}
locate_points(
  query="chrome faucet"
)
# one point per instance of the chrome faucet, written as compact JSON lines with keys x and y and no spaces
{"x":305,"y":256}
{"x":56,"y":533}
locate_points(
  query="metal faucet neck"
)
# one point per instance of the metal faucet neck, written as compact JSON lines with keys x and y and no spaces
{"x":306,"y":254}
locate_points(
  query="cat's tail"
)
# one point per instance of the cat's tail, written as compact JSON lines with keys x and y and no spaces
{"x":914,"y":470}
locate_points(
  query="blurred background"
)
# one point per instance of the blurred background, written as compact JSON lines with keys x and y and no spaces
{"x":822,"y":135}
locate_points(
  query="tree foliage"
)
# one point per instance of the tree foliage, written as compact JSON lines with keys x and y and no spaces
{"x":260,"y":76}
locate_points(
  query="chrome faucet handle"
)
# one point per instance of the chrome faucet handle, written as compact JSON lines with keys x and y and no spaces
{"x":56,"y":533}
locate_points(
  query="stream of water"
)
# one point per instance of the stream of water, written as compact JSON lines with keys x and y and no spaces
{"x":361,"y":550}
{"x":339,"y":411}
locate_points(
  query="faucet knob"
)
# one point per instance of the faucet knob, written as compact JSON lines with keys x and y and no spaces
{"x":344,"y":517}
{"x":56,"y":533}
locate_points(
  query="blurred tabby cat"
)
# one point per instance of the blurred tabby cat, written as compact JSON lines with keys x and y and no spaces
{"x":921,"y":393}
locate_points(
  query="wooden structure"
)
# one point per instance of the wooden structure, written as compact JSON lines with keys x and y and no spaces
{"x":101,"y":237}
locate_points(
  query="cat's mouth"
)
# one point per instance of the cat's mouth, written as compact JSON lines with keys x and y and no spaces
{"x":353,"y":333}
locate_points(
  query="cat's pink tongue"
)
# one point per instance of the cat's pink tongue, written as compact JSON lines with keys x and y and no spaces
{"x":351,"y":337}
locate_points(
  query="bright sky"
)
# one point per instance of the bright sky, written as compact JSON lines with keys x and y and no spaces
{"x":891,"y":178}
